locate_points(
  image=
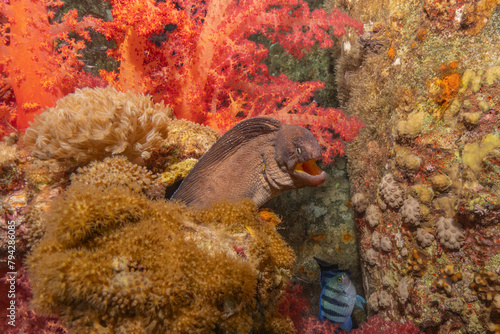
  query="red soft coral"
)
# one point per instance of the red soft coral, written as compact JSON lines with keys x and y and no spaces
{"x":294,"y":305}
{"x":38,"y":74}
{"x":211,"y":73}
{"x":377,"y":325}
{"x":26,"y":320}
{"x":312,"y":325}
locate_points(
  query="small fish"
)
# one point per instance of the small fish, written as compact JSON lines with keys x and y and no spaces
{"x":258,"y":158}
{"x":338,"y":295}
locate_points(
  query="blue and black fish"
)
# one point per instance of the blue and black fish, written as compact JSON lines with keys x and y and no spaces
{"x":338,"y":295}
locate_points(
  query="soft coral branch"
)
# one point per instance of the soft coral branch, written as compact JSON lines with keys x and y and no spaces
{"x":39,"y":74}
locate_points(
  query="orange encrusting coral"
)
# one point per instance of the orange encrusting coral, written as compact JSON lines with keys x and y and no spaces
{"x":391,"y":53}
{"x":38,"y":73}
{"x":449,"y":85}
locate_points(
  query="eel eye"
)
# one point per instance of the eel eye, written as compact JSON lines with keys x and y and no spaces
{"x":299,"y":151}
{"x":339,"y":279}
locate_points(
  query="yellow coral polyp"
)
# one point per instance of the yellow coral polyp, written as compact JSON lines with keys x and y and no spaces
{"x":474,"y":153}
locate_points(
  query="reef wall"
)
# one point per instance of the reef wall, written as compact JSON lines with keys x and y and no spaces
{"x":425,"y":171}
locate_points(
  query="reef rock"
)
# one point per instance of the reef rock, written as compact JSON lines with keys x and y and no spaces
{"x":426,"y":87}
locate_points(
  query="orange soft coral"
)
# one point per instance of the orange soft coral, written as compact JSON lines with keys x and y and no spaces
{"x":39,"y":74}
{"x":210,"y":72}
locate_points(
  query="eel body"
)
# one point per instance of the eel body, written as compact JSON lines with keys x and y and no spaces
{"x":258,"y":158}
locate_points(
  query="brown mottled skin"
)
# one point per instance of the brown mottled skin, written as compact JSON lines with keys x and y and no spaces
{"x":258,"y":158}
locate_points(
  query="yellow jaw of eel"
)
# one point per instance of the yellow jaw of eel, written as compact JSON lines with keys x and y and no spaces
{"x":310,"y":172}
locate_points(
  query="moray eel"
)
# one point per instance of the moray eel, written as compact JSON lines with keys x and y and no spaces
{"x":258,"y":158}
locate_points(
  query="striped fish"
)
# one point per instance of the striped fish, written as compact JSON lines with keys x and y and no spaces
{"x":338,"y":295}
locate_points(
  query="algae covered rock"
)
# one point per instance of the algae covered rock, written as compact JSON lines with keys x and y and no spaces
{"x":475,"y":152}
{"x":423,"y":193}
{"x":471,"y":119}
{"x":114,"y":261}
{"x":406,"y":160}
{"x":440,"y":182}
{"x":429,"y":100}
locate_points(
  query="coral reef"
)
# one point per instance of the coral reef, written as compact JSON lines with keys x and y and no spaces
{"x":467,"y":16}
{"x":178,"y":171}
{"x":8,"y":154}
{"x":371,"y":256}
{"x":113,"y":260}
{"x":407,"y":160}
{"x":320,"y":224}
{"x":403,"y":292}
{"x":28,"y":321}
{"x":92,"y":124}
{"x":411,"y":127}
{"x":119,"y":171}
{"x":10,"y":175}
{"x":410,"y":211}
{"x":378,"y":325}
{"x":385,"y":244}
{"x":446,"y":279}
{"x":391,"y":192}
{"x":373,"y":215}
{"x":39,"y":74}
{"x":440,"y":182}
{"x":212,"y":82}
{"x":424,"y":172}
{"x":424,"y":237}
{"x":426,"y":86}
{"x":359,"y":202}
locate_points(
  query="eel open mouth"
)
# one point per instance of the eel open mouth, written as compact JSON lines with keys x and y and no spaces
{"x":310,"y":173}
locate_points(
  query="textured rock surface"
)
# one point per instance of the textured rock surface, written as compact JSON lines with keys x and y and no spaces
{"x":425,"y":80}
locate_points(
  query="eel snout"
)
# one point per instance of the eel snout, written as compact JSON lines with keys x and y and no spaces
{"x":310,"y":173}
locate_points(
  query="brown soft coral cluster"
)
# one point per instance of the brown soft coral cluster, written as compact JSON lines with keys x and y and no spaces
{"x":114,"y":261}
{"x":92,"y":124}
{"x":120,"y":171}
